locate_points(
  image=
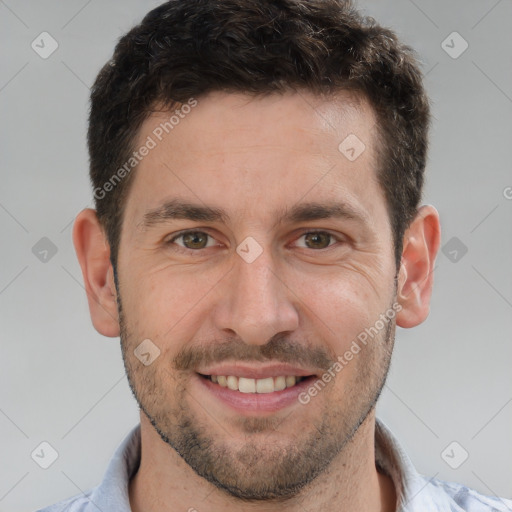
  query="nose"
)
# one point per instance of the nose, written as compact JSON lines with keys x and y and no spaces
{"x":254,"y":303}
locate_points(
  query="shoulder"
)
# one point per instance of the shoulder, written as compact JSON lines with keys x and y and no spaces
{"x":79,"y":503}
{"x":468,"y":500}
{"x":111,"y":495}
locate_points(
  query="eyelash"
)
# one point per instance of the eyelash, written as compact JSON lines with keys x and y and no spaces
{"x":186,"y":249}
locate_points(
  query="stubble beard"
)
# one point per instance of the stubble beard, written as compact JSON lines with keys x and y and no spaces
{"x":259,"y":470}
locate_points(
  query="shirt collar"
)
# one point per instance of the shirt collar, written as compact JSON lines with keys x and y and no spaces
{"x":414,"y":491}
{"x":112,"y":493}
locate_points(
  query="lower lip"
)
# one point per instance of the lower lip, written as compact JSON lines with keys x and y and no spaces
{"x":257,"y":402}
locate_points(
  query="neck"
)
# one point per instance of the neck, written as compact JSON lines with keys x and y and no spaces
{"x":351,"y":482}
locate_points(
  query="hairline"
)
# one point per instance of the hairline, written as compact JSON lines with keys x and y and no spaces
{"x":356,"y":97}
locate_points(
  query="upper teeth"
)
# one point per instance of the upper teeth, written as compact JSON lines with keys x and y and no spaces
{"x":245,"y":385}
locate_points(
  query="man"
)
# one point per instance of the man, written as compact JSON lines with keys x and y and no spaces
{"x":257,"y":168}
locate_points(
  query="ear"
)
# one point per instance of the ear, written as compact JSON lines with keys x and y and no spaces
{"x":93,"y":253}
{"x":420,"y":245}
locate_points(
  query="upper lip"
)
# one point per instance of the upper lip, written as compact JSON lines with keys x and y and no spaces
{"x":256,"y":372}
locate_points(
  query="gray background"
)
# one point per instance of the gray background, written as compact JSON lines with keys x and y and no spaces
{"x":63,"y":383}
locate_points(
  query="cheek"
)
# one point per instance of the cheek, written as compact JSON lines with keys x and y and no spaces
{"x":338,"y":308}
{"x":162,"y":302}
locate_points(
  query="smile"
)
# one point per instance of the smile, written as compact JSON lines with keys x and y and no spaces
{"x":246,"y":385}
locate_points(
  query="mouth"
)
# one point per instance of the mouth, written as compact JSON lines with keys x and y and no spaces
{"x":253,"y":397}
{"x":260,"y":386}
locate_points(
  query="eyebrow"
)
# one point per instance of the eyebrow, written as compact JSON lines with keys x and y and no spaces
{"x":176,"y":209}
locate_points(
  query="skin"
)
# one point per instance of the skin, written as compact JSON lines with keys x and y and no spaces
{"x":302,"y":300}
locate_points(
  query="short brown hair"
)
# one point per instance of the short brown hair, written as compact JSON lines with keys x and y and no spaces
{"x":187,"y":48}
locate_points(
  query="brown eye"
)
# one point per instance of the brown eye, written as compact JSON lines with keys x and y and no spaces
{"x":192,"y":240}
{"x":195,"y":240}
{"x":317,"y":240}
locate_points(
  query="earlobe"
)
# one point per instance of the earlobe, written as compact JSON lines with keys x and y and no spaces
{"x":93,"y":252}
{"x":420,"y":245}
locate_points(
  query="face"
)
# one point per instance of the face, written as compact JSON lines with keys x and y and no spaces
{"x":252,"y":247}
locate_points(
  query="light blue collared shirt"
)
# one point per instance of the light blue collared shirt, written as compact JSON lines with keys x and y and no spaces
{"x":415,"y":492}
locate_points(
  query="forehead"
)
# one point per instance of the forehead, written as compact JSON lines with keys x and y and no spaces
{"x":289,"y":119}
{"x":257,"y":155}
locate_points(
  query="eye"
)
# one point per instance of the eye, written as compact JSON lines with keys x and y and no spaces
{"x":193,"y":240}
{"x":196,"y":240}
{"x":317,"y":240}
